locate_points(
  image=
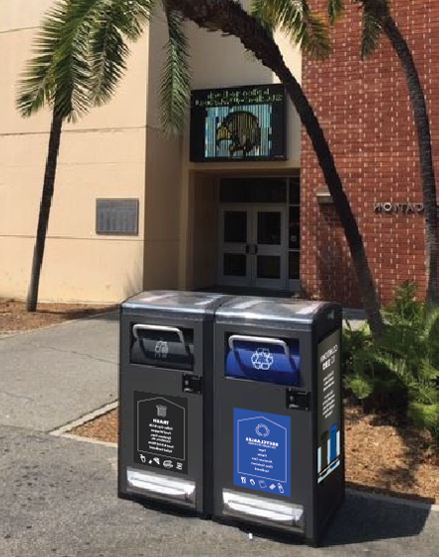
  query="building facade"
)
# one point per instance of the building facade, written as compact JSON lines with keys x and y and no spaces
{"x":133,"y":211}
{"x":366,"y":113}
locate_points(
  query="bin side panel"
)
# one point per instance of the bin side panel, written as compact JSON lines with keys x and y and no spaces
{"x":329,"y":474}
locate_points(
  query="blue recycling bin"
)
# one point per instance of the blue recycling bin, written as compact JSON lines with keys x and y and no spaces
{"x":263,"y":359}
{"x":278,"y":445}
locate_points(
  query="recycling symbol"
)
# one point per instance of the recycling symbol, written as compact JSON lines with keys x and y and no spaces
{"x":262,"y":359}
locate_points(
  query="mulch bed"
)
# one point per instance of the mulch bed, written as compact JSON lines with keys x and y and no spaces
{"x":380,"y":456}
{"x":15,"y":319}
{"x":388,"y":458}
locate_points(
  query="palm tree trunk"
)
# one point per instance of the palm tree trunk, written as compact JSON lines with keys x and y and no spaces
{"x":425,"y":154}
{"x":45,"y":205}
{"x":230,"y":18}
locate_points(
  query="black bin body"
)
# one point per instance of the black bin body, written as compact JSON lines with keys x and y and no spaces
{"x":166,"y":398}
{"x":278,"y":421}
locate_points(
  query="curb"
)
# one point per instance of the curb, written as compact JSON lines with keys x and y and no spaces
{"x":88,"y":440}
{"x":64,"y":431}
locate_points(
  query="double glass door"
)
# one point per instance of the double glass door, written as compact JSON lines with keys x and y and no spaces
{"x":253,"y":246}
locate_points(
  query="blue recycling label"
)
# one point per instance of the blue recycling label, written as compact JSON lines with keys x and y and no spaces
{"x":261,"y":451}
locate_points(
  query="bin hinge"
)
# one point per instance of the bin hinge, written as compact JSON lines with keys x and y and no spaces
{"x":192,"y":383}
{"x":298,"y":399}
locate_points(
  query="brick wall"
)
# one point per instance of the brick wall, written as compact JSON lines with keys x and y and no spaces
{"x":366,"y":113}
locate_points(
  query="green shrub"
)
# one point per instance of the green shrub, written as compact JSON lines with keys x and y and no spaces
{"x":423,"y":416}
{"x":361,"y":386}
{"x":402,"y":369}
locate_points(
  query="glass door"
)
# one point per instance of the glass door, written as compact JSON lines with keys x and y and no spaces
{"x":269,"y":250}
{"x":259,"y":233}
{"x":235,"y":236}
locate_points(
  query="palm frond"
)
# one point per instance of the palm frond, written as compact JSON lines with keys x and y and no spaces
{"x":336,"y":9}
{"x":80,"y":54}
{"x":295,"y":18}
{"x":59,"y":73}
{"x":36,"y":87}
{"x":175,"y":88}
{"x":259,"y":11}
{"x":107,"y":28}
{"x":431,"y":326}
{"x":371,"y":31}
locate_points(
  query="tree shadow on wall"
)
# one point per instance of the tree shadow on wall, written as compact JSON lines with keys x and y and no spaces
{"x":336,"y":277}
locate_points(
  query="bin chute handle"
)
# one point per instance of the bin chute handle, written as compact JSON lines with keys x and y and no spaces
{"x":262,"y":340}
{"x":158,"y":328}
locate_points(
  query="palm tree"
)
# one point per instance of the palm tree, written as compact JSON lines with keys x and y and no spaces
{"x":306,"y":29}
{"x":45,"y":81}
{"x":60,"y":76}
{"x":255,"y":33}
{"x":377,"y":19}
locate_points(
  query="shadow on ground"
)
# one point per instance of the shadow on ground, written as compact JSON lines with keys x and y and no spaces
{"x":360,"y":519}
{"x":363,"y":519}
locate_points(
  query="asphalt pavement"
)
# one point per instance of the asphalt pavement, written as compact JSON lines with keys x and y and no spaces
{"x":58,"y":495}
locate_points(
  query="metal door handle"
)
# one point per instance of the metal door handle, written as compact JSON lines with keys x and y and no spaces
{"x":159,"y":328}
{"x":251,"y":249}
{"x":262,"y":340}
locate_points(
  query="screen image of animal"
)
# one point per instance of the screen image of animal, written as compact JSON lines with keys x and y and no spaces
{"x":243,"y":131}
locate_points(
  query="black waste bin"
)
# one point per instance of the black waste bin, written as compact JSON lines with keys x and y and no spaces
{"x":278,"y":421}
{"x":166,"y":362}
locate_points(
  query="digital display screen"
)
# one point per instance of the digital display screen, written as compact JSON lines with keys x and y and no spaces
{"x":239,"y":124}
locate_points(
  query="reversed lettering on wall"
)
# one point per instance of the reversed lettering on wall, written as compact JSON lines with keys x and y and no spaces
{"x":406,"y":208}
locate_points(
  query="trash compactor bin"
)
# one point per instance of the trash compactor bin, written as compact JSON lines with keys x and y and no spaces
{"x":166,"y":398}
{"x":278,"y":425}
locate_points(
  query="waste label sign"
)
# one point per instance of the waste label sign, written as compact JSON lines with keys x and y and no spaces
{"x":262,"y":451}
{"x":160,"y":432}
{"x":329,"y":406}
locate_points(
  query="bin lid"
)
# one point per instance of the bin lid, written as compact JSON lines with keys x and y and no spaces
{"x":279,"y":310}
{"x":196,"y":303}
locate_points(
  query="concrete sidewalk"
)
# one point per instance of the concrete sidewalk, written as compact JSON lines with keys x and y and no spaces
{"x":55,"y":375}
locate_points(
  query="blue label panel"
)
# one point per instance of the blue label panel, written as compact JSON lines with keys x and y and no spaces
{"x":261,"y":451}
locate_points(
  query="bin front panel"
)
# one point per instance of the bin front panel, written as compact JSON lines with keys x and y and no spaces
{"x":262,"y":451}
{"x":162,"y":424}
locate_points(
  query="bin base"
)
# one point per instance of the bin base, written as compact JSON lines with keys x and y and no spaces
{"x":162,"y":506}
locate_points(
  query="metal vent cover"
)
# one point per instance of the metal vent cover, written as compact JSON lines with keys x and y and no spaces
{"x":117,"y":217}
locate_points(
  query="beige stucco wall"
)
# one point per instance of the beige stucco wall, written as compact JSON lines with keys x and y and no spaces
{"x":116,"y":151}
{"x":101,"y":156}
{"x":163,"y":178}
